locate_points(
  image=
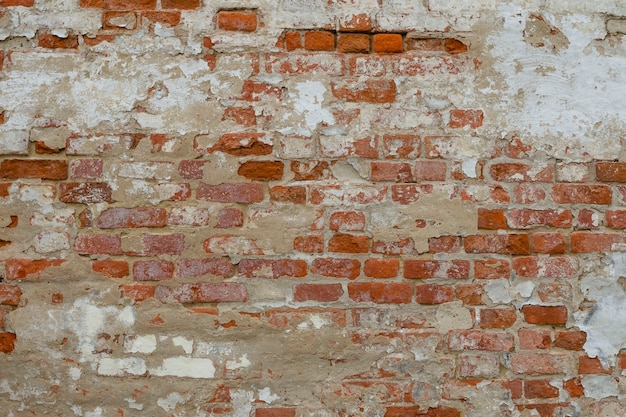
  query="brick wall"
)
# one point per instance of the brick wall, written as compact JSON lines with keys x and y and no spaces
{"x":289,"y":208}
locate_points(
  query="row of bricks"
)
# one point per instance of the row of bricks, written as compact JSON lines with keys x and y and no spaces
{"x":345,"y":221}
{"x":419,"y":170}
{"x":527,"y":267}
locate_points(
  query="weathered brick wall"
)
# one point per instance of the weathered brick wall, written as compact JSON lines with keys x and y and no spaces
{"x":312,"y":208}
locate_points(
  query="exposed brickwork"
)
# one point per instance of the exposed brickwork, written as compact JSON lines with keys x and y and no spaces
{"x":312,"y":208}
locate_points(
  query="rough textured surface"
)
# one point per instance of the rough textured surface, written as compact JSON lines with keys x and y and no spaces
{"x":289,"y":208}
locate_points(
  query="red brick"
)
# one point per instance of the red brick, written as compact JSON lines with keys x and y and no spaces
{"x":309,"y":244}
{"x":518,"y":172}
{"x":527,"y":218}
{"x":611,"y":171}
{"x":470,"y":294}
{"x":549,"y":243}
{"x":615,"y":219}
{"x":555,"y":292}
{"x":424,"y":269}
{"x":221,"y":292}
{"x":511,"y":244}
{"x":404,"y":246}
{"x":229,"y":217}
{"x":293,"y":40}
{"x":98,"y":244}
{"x":353,"y":221}
{"x":346,"y":243}
{"x":585,"y":242}
{"x":540,"y":267}
{"x":380,"y":292}
{"x":165,"y":18}
{"x":237,"y":21}
{"x":266,"y":268}
{"x":288,"y":194}
{"x":497,"y":318}
{"x":535,"y":314}
{"x":444,"y":244}
{"x":194,"y":268}
{"x":153,"y":270}
{"x":23,"y":268}
{"x":574,"y":387}
{"x":10,"y":295}
{"x":572,"y":340}
{"x":261,"y":170}
{"x":9,"y":3}
{"x":120,"y":4}
{"x":243,"y":144}
{"x":86,"y":168}
{"x":231,"y":245}
{"x":50,"y":41}
{"x":182,"y":293}
{"x":370,"y":91}
{"x":387,"y":43}
{"x":353,"y":43}
{"x":433,"y":294}
{"x":319,"y":41}
{"x":540,"y":388}
{"x":430,"y":170}
{"x":275,"y":412}
{"x":529,"y":194}
{"x":491,"y":219}
{"x":244,"y":116}
{"x":381,"y":268}
{"x":454,"y":46}
{"x":470,"y":118}
{"x":391,"y":171}
{"x":492,"y":269}
{"x":242,"y":193}
{"x":180,"y":4}
{"x":480,"y":340}
{"x":531,"y":339}
{"x":317,"y":292}
{"x":85,"y":192}
{"x":191,"y":170}
{"x":588,"y":366}
{"x":4,"y":189}
{"x":47,"y":169}
{"x":582,"y":194}
{"x":336,"y":268}
{"x":310,"y":170}
{"x":401,"y":146}
{"x":7,"y":342}
{"x":138,"y":292}
{"x":155,"y":245}
{"x":122,"y":218}
{"x":112,"y":268}
{"x":409,"y":193}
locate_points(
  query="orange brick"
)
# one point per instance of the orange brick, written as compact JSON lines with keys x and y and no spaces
{"x":319,"y":41}
{"x":237,"y":21}
{"x":353,"y":43}
{"x":387,"y":43}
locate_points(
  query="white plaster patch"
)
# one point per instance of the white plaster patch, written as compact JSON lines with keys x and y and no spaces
{"x":14,"y":142}
{"x":266,"y":395}
{"x":242,"y":362}
{"x":600,"y":386}
{"x":242,"y":402}
{"x":171,"y":401}
{"x":498,"y":291}
{"x":469,"y":168}
{"x":308,"y":102}
{"x":604,"y":324}
{"x":571,"y":104}
{"x":140,"y":344}
{"x":184,"y":367}
{"x":74,"y":373}
{"x":186,"y":344}
{"x":121,"y":366}
{"x":524,"y":288}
